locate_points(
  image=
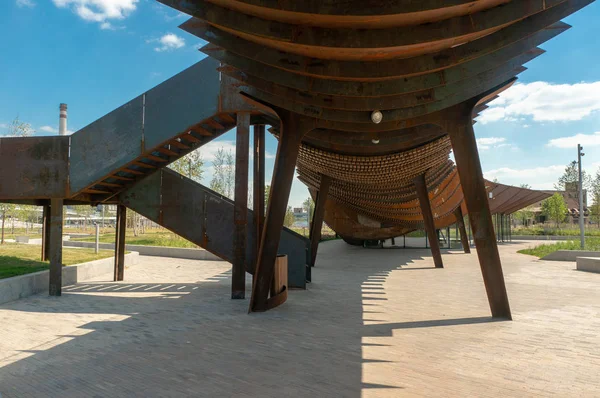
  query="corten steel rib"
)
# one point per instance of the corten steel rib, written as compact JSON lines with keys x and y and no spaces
{"x":322,"y":71}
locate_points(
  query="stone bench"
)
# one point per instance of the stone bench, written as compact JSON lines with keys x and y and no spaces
{"x":590,"y":264}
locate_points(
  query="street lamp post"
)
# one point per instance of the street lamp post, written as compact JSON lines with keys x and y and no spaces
{"x":580,"y":193}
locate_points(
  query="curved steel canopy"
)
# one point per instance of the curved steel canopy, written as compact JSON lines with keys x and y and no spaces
{"x":337,"y":62}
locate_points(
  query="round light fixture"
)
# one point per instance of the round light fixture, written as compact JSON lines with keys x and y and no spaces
{"x":376,"y":117}
{"x":375,"y":141}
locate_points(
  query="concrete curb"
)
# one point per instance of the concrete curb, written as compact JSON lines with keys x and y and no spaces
{"x":588,"y":264}
{"x":26,"y":285}
{"x":569,"y":255}
{"x":155,"y":251}
{"x":543,"y":237}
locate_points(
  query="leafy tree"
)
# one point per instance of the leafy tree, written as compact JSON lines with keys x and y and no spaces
{"x":191,"y":166}
{"x":555,"y":208}
{"x":223,"y":180}
{"x":289,"y":217}
{"x":309,"y":207}
{"x":267,"y":192}
{"x":571,"y":175}
{"x":15,"y":129}
{"x":18,"y":128}
{"x":27,"y":214}
{"x":525,"y":215}
{"x":217,"y":183}
{"x":595,"y":207}
{"x":229,"y":174}
{"x":526,"y":186}
{"x":6,"y":210}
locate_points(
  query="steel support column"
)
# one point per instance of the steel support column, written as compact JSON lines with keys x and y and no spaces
{"x":240,"y":209}
{"x":464,"y":145}
{"x":291,"y":132}
{"x":121,"y":228}
{"x":55,"y":247}
{"x":460,"y":221}
{"x":46,"y":233}
{"x":259,"y":182}
{"x":317,"y":219}
{"x":423,"y":195}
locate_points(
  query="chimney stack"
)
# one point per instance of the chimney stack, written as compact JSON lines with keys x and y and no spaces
{"x":62,"y":123}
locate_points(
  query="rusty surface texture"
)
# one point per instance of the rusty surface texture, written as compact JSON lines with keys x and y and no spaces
{"x":34,"y":167}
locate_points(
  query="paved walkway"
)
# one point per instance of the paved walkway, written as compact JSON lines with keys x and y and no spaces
{"x":374,"y":323}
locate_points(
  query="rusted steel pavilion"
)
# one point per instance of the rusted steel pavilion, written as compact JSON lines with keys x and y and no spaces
{"x":367,"y":99}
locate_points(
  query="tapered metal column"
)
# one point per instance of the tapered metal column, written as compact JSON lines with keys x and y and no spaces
{"x":317,"y":219}
{"x":291,"y":132}
{"x":460,"y":221}
{"x":423,"y":195}
{"x":240,"y":210}
{"x":119,"y":273}
{"x":55,"y":247}
{"x":259,"y":183}
{"x":46,"y":233}
{"x":466,"y":155}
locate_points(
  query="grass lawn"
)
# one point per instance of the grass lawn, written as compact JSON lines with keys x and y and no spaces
{"x":160,"y":238}
{"x":547,"y":248}
{"x":20,"y":259}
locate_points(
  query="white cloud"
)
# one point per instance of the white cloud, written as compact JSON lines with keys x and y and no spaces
{"x":537,"y":177}
{"x":170,"y":41}
{"x":572,"y":141}
{"x":48,"y":129}
{"x":25,"y":3}
{"x":491,"y":142}
{"x":100,"y":11}
{"x":543,"y":101}
{"x":3,"y":125}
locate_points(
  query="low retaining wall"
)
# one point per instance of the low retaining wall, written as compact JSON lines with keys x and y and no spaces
{"x":570,"y":255}
{"x":543,"y":237}
{"x":26,"y":285}
{"x":589,"y":264}
{"x":157,"y":251}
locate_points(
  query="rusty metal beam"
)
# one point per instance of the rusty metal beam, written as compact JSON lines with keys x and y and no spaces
{"x":46,"y":232}
{"x":121,"y":228}
{"x":259,"y":181}
{"x":55,"y":247}
{"x":294,"y":127}
{"x":317,"y":218}
{"x":460,"y":221}
{"x":428,"y":220}
{"x":240,"y":212}
{"x":464,"y":145}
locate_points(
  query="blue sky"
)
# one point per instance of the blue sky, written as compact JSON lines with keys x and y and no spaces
{"x":97,"y":54}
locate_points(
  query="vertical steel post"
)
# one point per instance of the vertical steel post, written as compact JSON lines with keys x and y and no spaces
{"x":259,"y":183}
{"x":240,"y":210}
{"x":97,"y":246}
{"x":580,"y":191}
{"x":121,"y":228}
{"x":468,"y":164}
{"x":317,"y":218}
{"x":464,"y":238}
{"x":423,"y":195}
{"x":290,"y":136}
{"x":55,"y":246}
{"x":45,"y":232}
